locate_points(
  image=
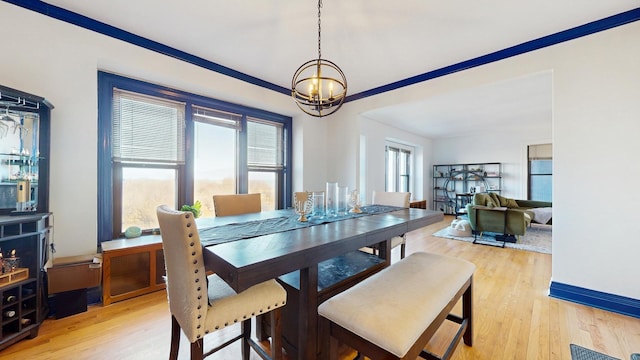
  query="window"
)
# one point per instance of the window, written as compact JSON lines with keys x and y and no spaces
{"x":398,"y":168}
{"x":540,"y":172}
{"x":163,"y":146}
{"x":215,"y":133}
{"x":265,"y":160}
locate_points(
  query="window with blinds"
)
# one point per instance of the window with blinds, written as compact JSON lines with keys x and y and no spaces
{"x":167,"y":146}
{"x":264,"y":142}
{"x":147,"y":129}
{"x":540,"y":172}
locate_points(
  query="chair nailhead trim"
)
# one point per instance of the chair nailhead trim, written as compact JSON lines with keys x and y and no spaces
{"x":235,"y":320}
{"x":192,"y":243}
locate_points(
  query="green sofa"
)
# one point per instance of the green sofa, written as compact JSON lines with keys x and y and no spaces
{"x":491,"y":212}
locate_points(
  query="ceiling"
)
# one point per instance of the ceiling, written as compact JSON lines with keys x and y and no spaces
{"x":374,"y":42}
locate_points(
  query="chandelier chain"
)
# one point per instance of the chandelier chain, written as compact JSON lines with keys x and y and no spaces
{"x":319,"y":51}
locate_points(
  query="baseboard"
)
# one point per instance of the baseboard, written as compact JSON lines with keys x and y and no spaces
{"x":614,"y":303}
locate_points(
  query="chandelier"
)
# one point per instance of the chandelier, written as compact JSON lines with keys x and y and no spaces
{"x":319,"y":87}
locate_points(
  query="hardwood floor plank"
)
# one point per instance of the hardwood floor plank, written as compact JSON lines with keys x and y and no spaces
{"x":514,"y":317}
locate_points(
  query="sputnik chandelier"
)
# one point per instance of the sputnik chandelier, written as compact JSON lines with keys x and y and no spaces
{"x":319,"y":87}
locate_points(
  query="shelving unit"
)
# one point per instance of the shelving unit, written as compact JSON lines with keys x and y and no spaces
{"x":24,"y":149}
{"x":455,"y":184}
{"x":24,"y":160}
{"x":22,"y":292}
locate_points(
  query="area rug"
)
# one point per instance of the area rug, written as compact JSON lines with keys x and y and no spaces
{"x":537,"y":239}
{"x":580,"y":353}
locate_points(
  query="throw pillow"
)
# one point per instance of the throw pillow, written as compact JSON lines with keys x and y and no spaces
{"x":506,"y":202}
{"x":495,"y":199}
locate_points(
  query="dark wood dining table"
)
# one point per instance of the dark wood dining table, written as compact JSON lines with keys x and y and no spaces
{"x":247,"y":262}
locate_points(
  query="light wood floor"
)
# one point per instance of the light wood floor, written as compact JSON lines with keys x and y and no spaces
{"x":514,"y":317}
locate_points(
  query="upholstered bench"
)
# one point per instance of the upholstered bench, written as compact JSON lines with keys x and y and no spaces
{"x":394,"y":313}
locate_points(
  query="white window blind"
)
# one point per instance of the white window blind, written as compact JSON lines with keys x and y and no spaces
{"x":265,"y":144}
{"x":217,"y":117}
{"x":147,"y":129}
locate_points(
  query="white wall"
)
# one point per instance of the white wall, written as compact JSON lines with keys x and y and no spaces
{"x":596,"y":169}
{"x":60,"y":62}
{"x":376,"y":135}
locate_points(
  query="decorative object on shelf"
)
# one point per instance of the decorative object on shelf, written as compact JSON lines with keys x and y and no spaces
{"x":10,"y":264}
{"x":132,"y":232}
{"x":195,"y":208}
{"x":303,"y":208}
{"x":319,"y":86}
{"x":10,"y":277}
{"x":354,"y":202}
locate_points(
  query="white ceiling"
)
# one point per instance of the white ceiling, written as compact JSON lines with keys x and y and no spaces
{"x":374,"y":42}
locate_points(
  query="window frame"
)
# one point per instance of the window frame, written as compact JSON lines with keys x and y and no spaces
{"x":399,"y":149}
{"x":106,"y":180}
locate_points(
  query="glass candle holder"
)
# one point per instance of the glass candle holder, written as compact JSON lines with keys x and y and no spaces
{"x":11,"y":264}
{"x":343,"y":200}
{"x":317,"y":211}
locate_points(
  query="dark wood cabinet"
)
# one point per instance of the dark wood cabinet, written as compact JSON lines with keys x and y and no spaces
{"x":22,"y":288}
{"x":25,"y":221}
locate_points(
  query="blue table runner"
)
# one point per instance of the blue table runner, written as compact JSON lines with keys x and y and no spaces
{"x":231,"y":232}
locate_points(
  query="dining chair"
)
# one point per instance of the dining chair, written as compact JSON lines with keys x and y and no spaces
{"x":236,"y":204}
{"x":399,"y":199}
{"x":201,"y":304}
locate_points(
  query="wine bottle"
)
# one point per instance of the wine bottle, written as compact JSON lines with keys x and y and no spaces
{"x":10,"y":299}
{"x":9,"y":313}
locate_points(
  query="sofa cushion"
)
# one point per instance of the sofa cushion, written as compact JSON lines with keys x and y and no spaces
{"x":496,"y":200}
{"x":507,"y":202}
{"x":480,"y":199}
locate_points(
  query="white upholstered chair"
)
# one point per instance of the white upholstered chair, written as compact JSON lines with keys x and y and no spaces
{"x":201,"y":304}
{"x":399,"y":199}
{"x":236,"y":204}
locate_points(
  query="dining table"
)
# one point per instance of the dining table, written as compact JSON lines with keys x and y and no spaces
{"x":247,"y":249}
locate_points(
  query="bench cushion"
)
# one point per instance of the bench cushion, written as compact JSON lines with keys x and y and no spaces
{"x":394,"y":307}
